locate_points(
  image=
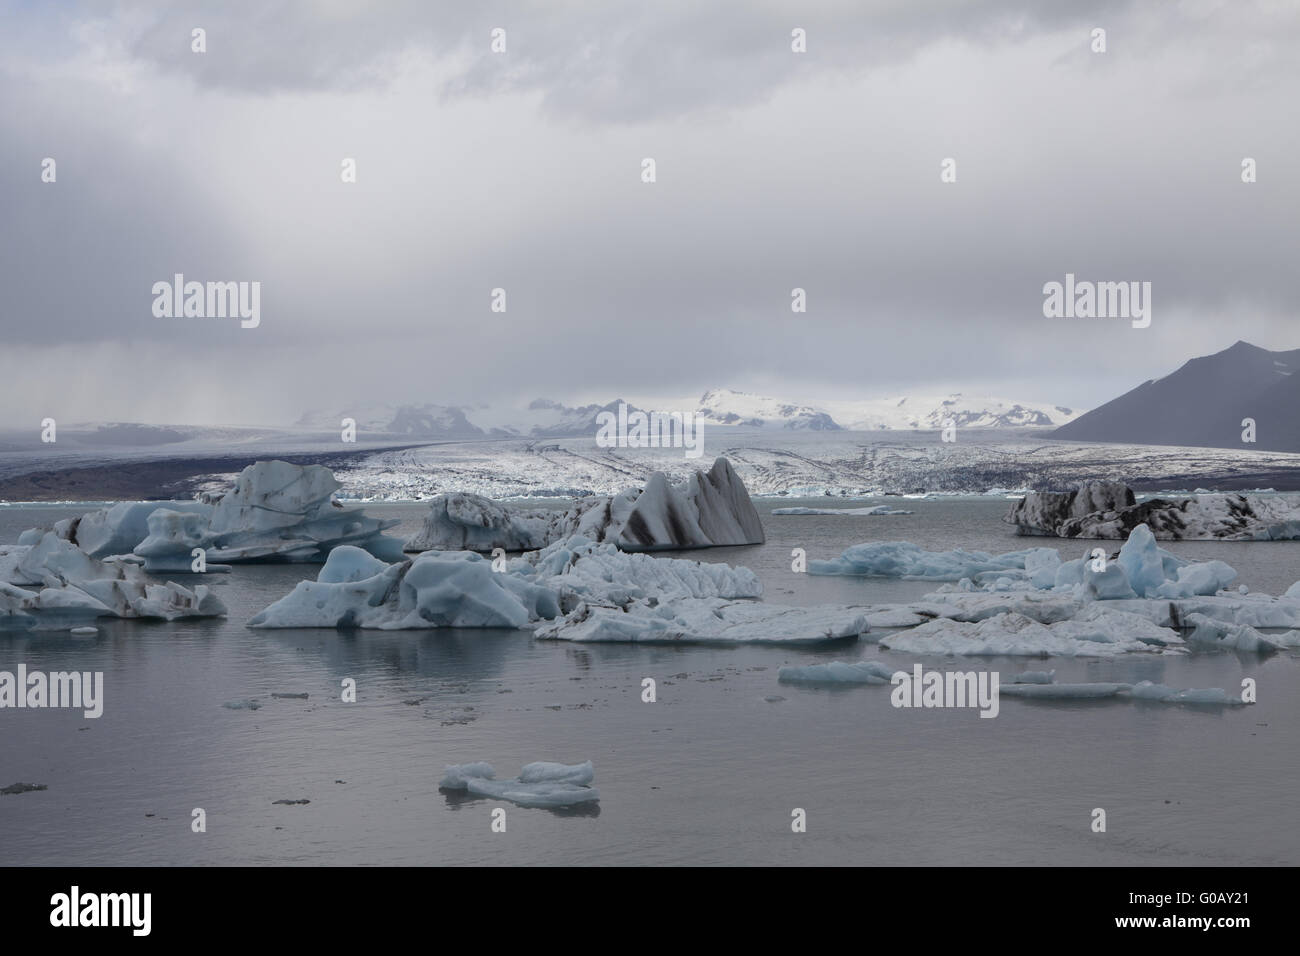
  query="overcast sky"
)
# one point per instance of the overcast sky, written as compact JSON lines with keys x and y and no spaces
{"x":522,"y":170}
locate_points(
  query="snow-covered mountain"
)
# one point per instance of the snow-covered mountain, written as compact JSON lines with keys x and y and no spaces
{"x":725,"y":406}
{"x":407,"y":421}
{"x":728,"y":407}
{"x":545,"y":418}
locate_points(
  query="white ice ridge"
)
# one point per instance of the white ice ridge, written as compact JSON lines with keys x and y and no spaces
{"x":541,"y":784}
{"x":707,"y":509}
{"x":876,"y":510}
{"x":77,"y":588}
{"x":707,"y":620}
{"x":277,"y":511}
{"x":1099,"y":632}
{"x":1109,"y":509}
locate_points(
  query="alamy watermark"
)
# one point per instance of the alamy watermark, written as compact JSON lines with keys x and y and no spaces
{"x":58,"y":689}
{"x":179,"y":299}
{"x":1098,"y":300}
{"x":923,"y":688}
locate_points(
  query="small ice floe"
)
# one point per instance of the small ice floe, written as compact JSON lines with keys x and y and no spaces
{"x":1034,"y":677}
{"x":865,"y":512}
{"x":1207,"y":632}
{"x":708,"y":620}
{"x":902,"y":559}
{"x":838,"y":672}
{"x":15,"y":788}
{"x":1062,"y":691}
{"x":1101,"y":635}
{"x":246,"y":703}
{"x":85,"y":631}
{"x":541,"y":784}
{"x":1146,"y":690}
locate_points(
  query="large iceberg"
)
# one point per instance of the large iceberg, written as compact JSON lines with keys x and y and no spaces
{"x":708,"y":509}
{"x":585,"y":590}
{"x":436,"y":589}
{"x":1108,"y":509}
{"x":277,"y":511}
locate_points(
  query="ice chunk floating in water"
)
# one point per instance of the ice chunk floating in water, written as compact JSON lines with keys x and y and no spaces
{"x":79,"y":588}
{"x":1108,"y":509}
{"x":838,"y":672}
{"x":541,"y":784}
{"x":277,"y":511}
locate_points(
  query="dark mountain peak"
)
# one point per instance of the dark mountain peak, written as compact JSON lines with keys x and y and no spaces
{"x":1204,"y":403}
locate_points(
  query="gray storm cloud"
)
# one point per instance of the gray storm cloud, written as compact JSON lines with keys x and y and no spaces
{"x":522,"y":170}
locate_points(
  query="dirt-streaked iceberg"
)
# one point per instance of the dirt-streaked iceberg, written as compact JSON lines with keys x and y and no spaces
{"x":708,"y":509}
{"x":1109,"y":509}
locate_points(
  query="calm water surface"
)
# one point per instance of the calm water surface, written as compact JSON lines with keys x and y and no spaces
{"x":709,"y":774}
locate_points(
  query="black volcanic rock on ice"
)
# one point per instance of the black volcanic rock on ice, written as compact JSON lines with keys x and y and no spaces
{"x":1203,"y":404}
{"x":1108,"y":509}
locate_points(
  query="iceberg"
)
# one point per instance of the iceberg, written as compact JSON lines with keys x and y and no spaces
{"x":118,"y":529}
{"x":1228,"y":636}
{"x":76,"y":588}
{"x":1010,"y":633}
{"x":539,"y":785}
{"x":1146,"y":690}
{"x":708,"y":509}
{"x":575,"y":577}
{"x":435,"y":589}
{"x":707,"y":620}
{"x":277,"y":511}
{"x":1109,"y":509}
